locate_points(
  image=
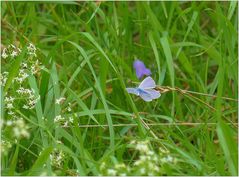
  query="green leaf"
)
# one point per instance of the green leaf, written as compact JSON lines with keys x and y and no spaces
{"x":228,"y":143}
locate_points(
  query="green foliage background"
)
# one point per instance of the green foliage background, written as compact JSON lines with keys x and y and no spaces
{"x":88,"y":49}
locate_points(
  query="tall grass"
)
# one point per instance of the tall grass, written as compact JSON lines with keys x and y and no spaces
{"x":86,"y":50}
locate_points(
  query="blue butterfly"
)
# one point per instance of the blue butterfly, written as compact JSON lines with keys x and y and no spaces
{"x":145,"y":90}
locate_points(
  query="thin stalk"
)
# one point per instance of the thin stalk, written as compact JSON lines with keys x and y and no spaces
{"x":154,"y":124}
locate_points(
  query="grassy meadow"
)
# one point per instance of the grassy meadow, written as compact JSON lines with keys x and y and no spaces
{"x":65,"y":67}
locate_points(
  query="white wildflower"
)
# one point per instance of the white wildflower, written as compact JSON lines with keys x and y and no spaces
{"x":142,"y":147}
{"x":3,"y":78}
{"x":9,"y":99}
{"x":142,"y":171}
{"x":36,"y":67}
{"x":155,"y":158}
{"x":21,"y":76}
{"x":4,"y":53}
{"x":25,"y":92}
{"x":5,"y":146}
{"x":14,"y":53}
{"x":20,"y":129}
{"x":150,"y":153}
{"x":132,"y":142}
{"x":143,"y":157}
{"x":69,"y":107}
{"x":10,"y":112}
{"x":111,"y":172}
{"x":60,"y":100}
{"x":120,"y":165}
{"x":9,"y":102}
{"x":33,"y":101}
{"x":164,"y":151}
{"x":31,"y":49}
{"x":137,"y":162}
{"x":24,"y":65}
{"x":57,"y":158}
{"x":9,"y":106}
{"x":71,"y":120}
{"x":25,"y":106}
{"x":156,"y":168}
{"x":58,"y":119}
{"x":9,"y":123}
{"x":65,"y":124}
{"x":151,"y":165}
{"x":12,"y":46}
{"x":169,"y":158}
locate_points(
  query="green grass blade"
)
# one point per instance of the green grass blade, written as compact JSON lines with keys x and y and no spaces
{"x":14,"y":162}
{"x":41,"y":160}
{"x":227,"y":141}
{"x":108,"y":116}
{"x":169,"y":59}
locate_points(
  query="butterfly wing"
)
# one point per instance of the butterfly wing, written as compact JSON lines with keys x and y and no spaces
{"x":133,"y":91}
{"x":145,"y":96}
{"x":153,"y":93}
{"x":147,"y":83}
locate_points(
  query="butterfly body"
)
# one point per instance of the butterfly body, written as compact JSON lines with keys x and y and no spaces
{"x":145,"y":90}
{"x":140,"y":91}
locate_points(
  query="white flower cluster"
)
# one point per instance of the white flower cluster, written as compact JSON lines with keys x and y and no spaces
{"x":29,"y":95}
{"x":63,"y":121}
{"x":22,"y":76}
{"x":69,"y":107}
{"x":9,"y":102}
{"x":142,"y":146}
{"x":24,"y":71}
{"x":19,"y":95}
{"x":18,"y":127}
{"x":5,"y":146}
{"x":148,"y":163}
{"x":119,"y":169}
{"x":165,"y":156}
{"x":30,"y":66}
{"x":10,"y":50}
{"x":12,"y":130}
{"x":59,"y":119}
{"x":3,"y":78}
{"x":31,"y":49}
{"x":35,"y":67}
{"x":57,"y":158}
